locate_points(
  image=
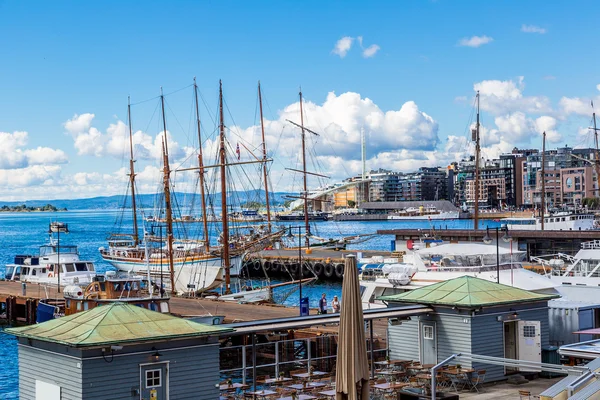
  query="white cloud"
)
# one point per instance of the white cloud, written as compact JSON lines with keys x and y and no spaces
{"x":548,"y":124}
{"x":14,"y":155}
{"x":575,"y":105}
{"x":343,"y":46}
{"x":475,"y":41}
{"x":370,"y":51}
{"x":79,"y":123}
{"x":532,"y":29}
{"x":502,"y":97}
{"x":45,"y":156}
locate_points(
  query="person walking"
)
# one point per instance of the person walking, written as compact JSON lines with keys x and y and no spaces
{"x":323,"y":304}
{"x":335,"y":304}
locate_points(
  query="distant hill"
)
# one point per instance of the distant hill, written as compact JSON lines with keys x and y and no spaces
{"x":147,"y":200}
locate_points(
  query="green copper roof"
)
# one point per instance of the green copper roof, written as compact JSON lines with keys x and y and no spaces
{"x":468,"y":291}
{"x":115,"y":323}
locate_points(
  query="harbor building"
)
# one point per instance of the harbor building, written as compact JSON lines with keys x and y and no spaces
{"x":569,"y":175}
{"x":425,"y":184}
{"x":118,"y":351}
{"x":471,"y":316}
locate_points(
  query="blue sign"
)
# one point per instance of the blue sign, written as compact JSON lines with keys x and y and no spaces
{"x":304,"y":308}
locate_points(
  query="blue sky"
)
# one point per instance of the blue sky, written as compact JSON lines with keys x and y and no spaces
{"x":534,"y":61}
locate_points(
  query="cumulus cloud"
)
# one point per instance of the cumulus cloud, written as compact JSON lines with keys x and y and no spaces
{"x":548,"y":124}
{"x":575,"y":105}
{"x":532,"y":29}
{"x":370,"y":51}
{"x":15,"y":155}
{"x":343,"y":46}
{"x":88,"y":140}
{"x":475,"y":41}
{"x":502,"y":97}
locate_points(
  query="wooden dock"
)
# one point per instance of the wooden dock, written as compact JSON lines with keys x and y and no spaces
{"x":22,"y":308}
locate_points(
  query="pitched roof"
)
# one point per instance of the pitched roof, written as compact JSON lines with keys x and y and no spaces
{"x":468,"y":291}
{"x":115,"y":323}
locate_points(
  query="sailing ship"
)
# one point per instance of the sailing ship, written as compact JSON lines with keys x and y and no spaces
{"x":193,"y":265}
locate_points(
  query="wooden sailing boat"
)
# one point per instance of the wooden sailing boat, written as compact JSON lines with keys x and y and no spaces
{"x":476,"y":138}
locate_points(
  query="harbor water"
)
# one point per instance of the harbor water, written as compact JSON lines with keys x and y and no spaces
{"x":23,"y":233}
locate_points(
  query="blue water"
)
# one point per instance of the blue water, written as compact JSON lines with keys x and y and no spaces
{"x":23,"y":233}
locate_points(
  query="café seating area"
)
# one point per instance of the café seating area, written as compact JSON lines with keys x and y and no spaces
{"x":394,"y":379}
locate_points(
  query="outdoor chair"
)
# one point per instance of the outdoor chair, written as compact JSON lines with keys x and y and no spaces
{"x":477,"y":379}
{"x":526,"y":395}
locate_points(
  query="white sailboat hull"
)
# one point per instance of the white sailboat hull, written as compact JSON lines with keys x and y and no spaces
{"x":199,"y":275}
{"x":440,"y":216}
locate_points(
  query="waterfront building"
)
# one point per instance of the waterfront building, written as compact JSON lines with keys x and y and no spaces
{"x":118,"y":351}
{"x":425,"y":184}
{"x":569,"y":177}
{"x":473,"y":316}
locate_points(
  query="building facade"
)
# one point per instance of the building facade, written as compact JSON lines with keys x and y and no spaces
{"x":426,"y":184}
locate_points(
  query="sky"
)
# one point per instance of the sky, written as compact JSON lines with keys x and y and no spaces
{"x":404,"y":73}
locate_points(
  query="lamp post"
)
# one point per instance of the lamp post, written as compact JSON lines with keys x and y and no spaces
{"x":487,"y":240}
{"x":300,"y":269}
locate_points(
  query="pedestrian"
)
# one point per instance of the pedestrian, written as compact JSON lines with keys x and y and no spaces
{"x":323,"y":305}
{"x":335,"y":304}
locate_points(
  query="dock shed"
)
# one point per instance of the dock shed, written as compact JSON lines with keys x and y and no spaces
{"x":568,"y":317}
{"x":120,"y":352}
{"x":475,"y":316}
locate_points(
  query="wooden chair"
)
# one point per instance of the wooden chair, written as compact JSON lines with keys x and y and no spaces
{"x":524,"y":395}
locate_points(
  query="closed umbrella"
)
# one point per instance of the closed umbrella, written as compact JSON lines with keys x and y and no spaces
{"x":352,"y":374}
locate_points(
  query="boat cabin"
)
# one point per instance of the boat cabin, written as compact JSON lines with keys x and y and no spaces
{"x":111,"y":288}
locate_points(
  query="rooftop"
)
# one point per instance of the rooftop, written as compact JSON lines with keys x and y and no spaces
{"x":468,"y":291}
{"x":116,"y":323}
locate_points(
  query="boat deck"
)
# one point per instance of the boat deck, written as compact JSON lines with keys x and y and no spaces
{"x":318,"y":255}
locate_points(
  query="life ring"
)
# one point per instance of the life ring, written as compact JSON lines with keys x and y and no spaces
{"x":328,"y":270}
{"x":256,"y":265}
{"x":294,"y":267}
{"x":339,"y":270}
{"x":276,"y":267}
{"x":50,"y":274}
{"x":318,"y":269}
{"x":267,"y":266}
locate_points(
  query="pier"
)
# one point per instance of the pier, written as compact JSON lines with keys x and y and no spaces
{"x":535,"y":243}
{"x":324,"y":264}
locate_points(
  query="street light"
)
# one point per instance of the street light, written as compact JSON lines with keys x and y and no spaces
{"x":487,"y":240}
{"x":291,"y":236}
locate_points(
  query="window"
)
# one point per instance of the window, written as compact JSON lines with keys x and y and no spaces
{"x":428,"y":332}
{"x":81,"y":267}
{"x":529,"y":331}
{"x":153,"y":378}
{"x":70,"y":267}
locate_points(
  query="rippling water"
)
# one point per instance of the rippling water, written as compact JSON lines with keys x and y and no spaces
{"x":23,"y":233}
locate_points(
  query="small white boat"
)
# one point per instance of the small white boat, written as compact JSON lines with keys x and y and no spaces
{"x":583,"y":269}
{"x":52,"y":262}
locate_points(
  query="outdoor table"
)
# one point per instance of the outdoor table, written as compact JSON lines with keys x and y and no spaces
{"x":307,"y":375}
{"x":309,"y":385}
{"x":328,"y":393}
{"x":234,"y":386}
{"x":388,"y":385}
{"x":261,"y":393}
{"x":299,"y":397}
{"x":390,"y":362}
{"x":458,"y":376}
{"x":277,"y":381}
{"x":389,"y":372}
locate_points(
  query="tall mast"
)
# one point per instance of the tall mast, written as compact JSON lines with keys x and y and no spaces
{"x":363,"y":153}
{"x":596,"y":155}
{"x":201,"y":171}
{"x":167,"y":190}
{"x":132,"y":174}
{"x":477,"y":157}
{"x":305,"y":193}
{"x":225,"y":218}
{"x":543,"y":196}
{"x":264,"y":149}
